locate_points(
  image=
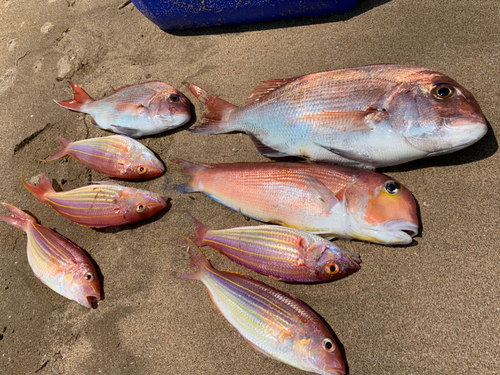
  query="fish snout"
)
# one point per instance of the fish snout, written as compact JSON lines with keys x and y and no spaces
{"x":353,"y":258}
{"x":464,"y":131}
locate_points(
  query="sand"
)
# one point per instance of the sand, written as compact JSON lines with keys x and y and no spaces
{"x":429,"y":308}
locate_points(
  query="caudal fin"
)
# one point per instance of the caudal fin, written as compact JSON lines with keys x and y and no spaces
{"x":20,"y":218}
{"x":190,"y":170}
{"x":197,"y":260}
{"x":201,"y":229}
{"x":62,"y":152}
{"x":39,"y":191}
{"x":80,"y":99}
{"x":215,"y":117}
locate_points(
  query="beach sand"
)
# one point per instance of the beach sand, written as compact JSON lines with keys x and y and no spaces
{"x":429,"y":308}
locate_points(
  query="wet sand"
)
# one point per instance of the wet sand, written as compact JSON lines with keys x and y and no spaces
{"x":429,"y":308}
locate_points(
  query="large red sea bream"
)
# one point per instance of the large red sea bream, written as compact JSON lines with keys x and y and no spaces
{"x":372,"y":116}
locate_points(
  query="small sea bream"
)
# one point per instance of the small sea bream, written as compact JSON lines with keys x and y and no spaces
{"x":116,"y":156}
{"x":372,"y":116}
{"x":274,"y":323}
{"x":56,"y":261}
{"x":135,"y":110}
{"x":282,"y":253}
{"x":329,"y":199}
{"x":100,"y":205}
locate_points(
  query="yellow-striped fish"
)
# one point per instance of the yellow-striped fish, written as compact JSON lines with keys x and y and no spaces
{"x":56,"y":261}
{"x":116,"y":156}
{"x":101,"y":205}
{"x":274,"y":323}
{"x":282,"y":253}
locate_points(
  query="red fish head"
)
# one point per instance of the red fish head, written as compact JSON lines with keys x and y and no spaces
{"x":143,"y":166}
{"x":138,"y":204}
{"x":383,"y":209}
{"x":435,"y":114}
{"x":83,"y":286}
{"x":319,"y":352}
{"x":169,"y":104}
{"x":334,"y":262}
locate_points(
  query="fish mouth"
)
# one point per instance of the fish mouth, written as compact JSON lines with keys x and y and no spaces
{"x":89,"y":301}
{"x":333,"y":370}
{"x":92,"y":301}
{"x":461,"y":133}
{"x":402,"y":230}
{"x":354,"y":258}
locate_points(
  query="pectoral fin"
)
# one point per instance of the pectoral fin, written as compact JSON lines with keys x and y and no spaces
{"x":131,"y":132}
{"x":351,"y":155}
{"x":324,"y":196}
{"x":266,"y":150}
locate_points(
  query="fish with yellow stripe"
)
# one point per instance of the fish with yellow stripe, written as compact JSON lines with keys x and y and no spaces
{"x":282,"y":253}
{"x":274,"y":323}
{"x":100,"y":205}
{"x":56,"y":261}
{"x":116,"y":156}
{"x":328,"y":199}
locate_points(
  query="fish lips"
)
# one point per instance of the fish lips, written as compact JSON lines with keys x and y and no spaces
{"x":89,"y":300}
{"x":462,"y":132}
{"x":400,"y":231}
{"x":333,"y":370}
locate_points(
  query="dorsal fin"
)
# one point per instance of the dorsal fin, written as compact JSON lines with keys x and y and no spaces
{"x":266,"y":88}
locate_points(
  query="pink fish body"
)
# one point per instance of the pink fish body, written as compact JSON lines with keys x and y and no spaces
{"x":370,"y":116}
{"x":282,"y":253}
{"x":134,"y":110}
{"x":56,"y":261}
{"x":116,"y":156}
{"x":345,"y":202}
{"x":274,"y":323}
{"x":101,"y":205}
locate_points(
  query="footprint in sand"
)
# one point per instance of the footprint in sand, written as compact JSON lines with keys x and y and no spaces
{"x":7,"y":80}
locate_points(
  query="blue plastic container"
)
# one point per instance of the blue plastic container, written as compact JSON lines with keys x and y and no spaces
{"x":186,"y":14}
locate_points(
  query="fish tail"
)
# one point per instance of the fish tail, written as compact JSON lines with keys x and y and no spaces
{"x":62,"y":152}
{"x":39,"y":191}
{"x":20,"y":218}
{"x":190,"y":170}
{"x":201,"y":229}
{"x":198,"y":260}
{"x":79,"y":100}
{"x":215,"y":117}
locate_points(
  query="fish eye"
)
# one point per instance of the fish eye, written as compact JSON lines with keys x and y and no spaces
{"x":141,"y":169}
{"x":140,"y":208}
{"x":174,"y":98}
{"x":332,"y":268}
{"x":89,"y":276}
{"x":392,"y":187}
{"x":328,"y":345}
{"x":443,"y":92}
